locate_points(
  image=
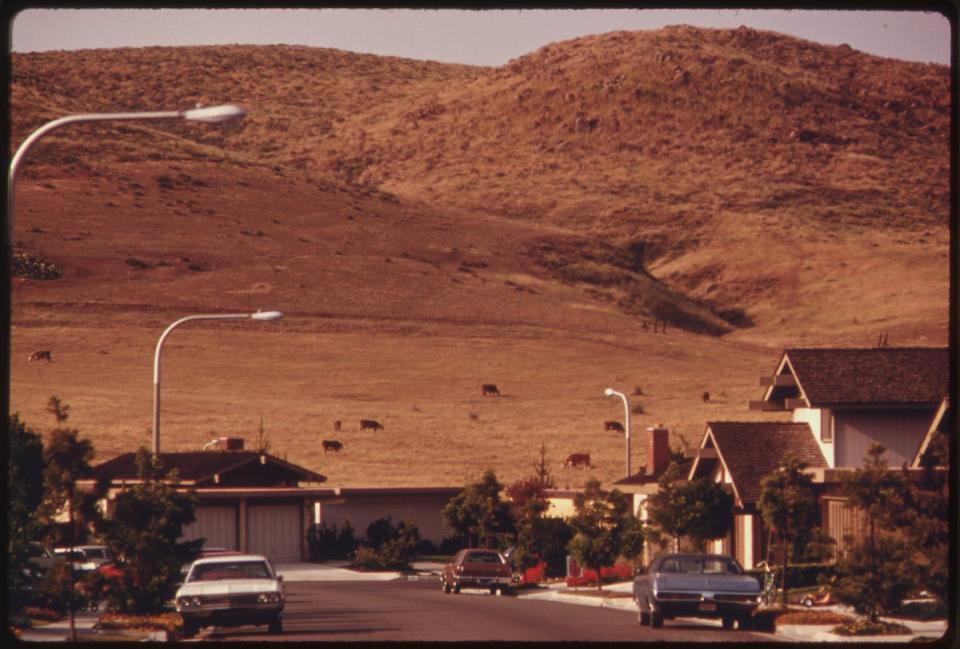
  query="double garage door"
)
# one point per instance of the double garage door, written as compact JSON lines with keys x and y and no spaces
{"x":272,"y":530}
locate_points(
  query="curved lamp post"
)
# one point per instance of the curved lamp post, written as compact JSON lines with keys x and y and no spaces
{"x":263,"y":316}
{"x":626,"y":423}
{"x":209,"y":115}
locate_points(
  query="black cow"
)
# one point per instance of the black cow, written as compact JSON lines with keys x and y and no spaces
{"x":331,"y":445}
{"x":370,"y":424}
{"x":41,"y":356}
{"x":577,"y":461}
{"x":489,"y":389}
{"x":613,"y":425}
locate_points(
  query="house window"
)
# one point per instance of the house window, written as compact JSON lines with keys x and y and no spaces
{"x":826,"y":425}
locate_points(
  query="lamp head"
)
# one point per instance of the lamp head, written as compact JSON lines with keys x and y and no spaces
{"x":215,"y":114}
{"x":266,"y":315}
{"x":608,"y":392}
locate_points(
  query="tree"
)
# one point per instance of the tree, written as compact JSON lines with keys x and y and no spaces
{"x":927,"y":520}
{"x":528,"y":503}
{"x":875,"y":575}
{"x":478,"y":514}
{"x":700,"y":510}
{"x":144,"y":531}
{"x":25,"y":468}
{"x":66,"y":460}
{"x":605,"y":528}
{"x":788,"y":504}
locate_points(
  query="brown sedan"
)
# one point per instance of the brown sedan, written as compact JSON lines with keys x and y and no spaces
{"x":477,"y":568}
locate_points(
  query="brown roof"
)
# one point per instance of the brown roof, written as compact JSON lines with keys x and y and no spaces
{"x":198,"y":466}
{"x":642,"y":477}
{"x":752,"y":450}
{"x":895,"y":375}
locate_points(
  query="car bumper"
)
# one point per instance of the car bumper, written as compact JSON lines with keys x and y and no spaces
{"x":231,"y":616}
{"x":705,"y":608}
{"x":481,"y":582}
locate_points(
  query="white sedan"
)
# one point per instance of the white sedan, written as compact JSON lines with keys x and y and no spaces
{"x":231,"y":590}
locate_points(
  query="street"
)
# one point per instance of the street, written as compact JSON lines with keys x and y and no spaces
{"x":419,"y":611}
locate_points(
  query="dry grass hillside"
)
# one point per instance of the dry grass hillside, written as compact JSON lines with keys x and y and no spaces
{"x":429,"y":227}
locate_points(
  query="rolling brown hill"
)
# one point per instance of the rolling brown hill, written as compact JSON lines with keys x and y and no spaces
{"x":430,"y":227}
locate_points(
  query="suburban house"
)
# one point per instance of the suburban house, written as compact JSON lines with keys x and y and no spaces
{"x":842,"y":401}
{"x":248,"y":501}
{"x":255,"y":502}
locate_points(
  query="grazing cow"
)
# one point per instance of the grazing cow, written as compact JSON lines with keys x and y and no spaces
{"x":489,"y":389}
{"x":706,"y":397}
{"x":613,"y":425}
{"x":370,"y":424}
{"x":577,"y":461}
{"x":337,"y":425}
{"x":41,"y":356}
{"x":331,"y":445}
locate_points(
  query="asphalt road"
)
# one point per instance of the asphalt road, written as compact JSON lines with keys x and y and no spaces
{"x":419,"y":611}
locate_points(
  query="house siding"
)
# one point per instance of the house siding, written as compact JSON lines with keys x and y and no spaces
{"x":901,"y":432}
{"x":422,"y":510}
{"x":844,"y":523}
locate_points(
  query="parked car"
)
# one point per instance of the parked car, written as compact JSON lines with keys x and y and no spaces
{"x":696,"y":585}
{"x":231,"y":590}
{"x":77,"y":557}
{"x":39,"y":561}
{"x":477,"y":568}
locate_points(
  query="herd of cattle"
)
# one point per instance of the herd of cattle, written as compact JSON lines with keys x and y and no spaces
{"x":573,"y":461}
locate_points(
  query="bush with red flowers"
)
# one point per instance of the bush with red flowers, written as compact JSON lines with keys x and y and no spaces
{"x":609,"y":575}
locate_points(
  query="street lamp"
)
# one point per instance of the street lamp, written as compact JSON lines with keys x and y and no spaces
{"x":208,"y":115}
{"x":626,"y":423}
{"x":263,"y":316}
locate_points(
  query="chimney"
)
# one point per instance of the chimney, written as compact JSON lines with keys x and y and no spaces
{"x":658,"y":449}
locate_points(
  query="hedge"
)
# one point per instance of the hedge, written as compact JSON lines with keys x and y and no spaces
{"x":609,"y":574}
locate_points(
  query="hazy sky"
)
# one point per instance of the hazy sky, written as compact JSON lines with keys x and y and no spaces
{"x":481,"y":37}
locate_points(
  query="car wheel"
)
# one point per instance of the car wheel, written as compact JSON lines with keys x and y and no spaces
{"x":456,"y":589}
{"x":656,"y":619}
{"x":745,"y":622}
{"x":643,"y":617}
{"x":807,"y":601}
{"x":276,"y":625}
{"x":727,"y":622}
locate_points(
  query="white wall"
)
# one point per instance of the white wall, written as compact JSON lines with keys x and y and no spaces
{"x":813,"y":417}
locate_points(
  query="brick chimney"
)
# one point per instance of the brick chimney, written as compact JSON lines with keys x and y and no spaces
{"x":658,"y":448}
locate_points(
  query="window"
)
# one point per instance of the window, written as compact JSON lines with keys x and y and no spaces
{"x":826,"y":425}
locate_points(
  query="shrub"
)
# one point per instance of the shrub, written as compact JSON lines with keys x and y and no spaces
{"x":801,"y":575}
{"x":534,"y":575}
{"x":26,"y":265}
{"x":326,"y":543}
{"x":450,"y":546}
{"x":608,"y":574}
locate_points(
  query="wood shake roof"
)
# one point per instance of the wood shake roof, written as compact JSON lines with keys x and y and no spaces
{"x":198,"y":466}
{"x":751,"y":450}
{"x":880,"y":375}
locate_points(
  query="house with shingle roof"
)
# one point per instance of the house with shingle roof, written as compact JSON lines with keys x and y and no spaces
{"x":739,"y":454}
{"x":853,"y":398}
{"x":248,"y":500}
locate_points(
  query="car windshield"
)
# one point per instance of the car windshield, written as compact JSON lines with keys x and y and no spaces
{"x":483,"y":557}
{"x":232,"y":570}
{"x":697,"y":566}
{"x":76,"y":555}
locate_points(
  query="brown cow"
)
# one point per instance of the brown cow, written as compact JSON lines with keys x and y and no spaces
{"x":41,"y":356}
{"x":577,"y":461}
{"x":613,"y":425}
{"x":489,"y":389}
{"x":706,"y":397}
{"x":331,"y":445}
{"x":370,"y":424}
{"x":337,"y":425}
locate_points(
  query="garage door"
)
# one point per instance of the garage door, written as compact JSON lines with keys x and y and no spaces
{"x":274,"y":531}
{"x":217,"y":524}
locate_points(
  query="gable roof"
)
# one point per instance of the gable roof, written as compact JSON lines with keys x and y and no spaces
{"x":200,"y":466}
{"x":752,"y":450}
{"x":642,"y":477}
{"x":879,"y":375}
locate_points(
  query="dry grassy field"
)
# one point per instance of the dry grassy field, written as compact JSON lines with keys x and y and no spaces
{"x":429,"y":228}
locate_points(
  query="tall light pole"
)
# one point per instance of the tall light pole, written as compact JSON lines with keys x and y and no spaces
{"x":626,"y":420}
{"x":263,"y":316}
{"x":209,"y":115}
